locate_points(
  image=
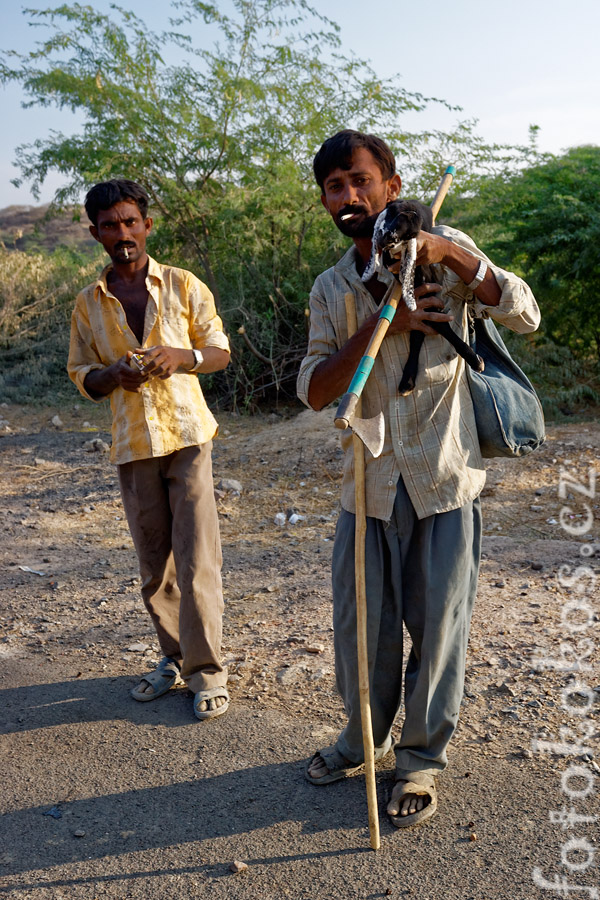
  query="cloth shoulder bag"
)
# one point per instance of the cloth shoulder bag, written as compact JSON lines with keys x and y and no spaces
{"x":508,"y":413}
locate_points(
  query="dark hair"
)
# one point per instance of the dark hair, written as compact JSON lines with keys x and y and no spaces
{"x":337,"y":152}
{"x":107,"y":193}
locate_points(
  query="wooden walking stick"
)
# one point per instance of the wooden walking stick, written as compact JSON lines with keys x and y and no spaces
{"x":360,"y":533}
{"x":360,"y":528}
{"x":442,"y":191}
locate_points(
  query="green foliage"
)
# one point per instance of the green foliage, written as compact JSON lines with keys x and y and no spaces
{"x":222,"y":138}
{"x":37,"y":291}
{"x":566,"y":385}
{"x":544,"y":223}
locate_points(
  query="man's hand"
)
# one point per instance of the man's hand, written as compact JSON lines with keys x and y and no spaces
{"x":333,"y":375}
{"x":431,"y":248}
{"x":415,"y":320}
{"x":165,"y":361}
{"x":100,"y":382}
{"x":129,"y":377}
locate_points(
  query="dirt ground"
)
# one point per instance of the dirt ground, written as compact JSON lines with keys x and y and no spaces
{"x":105,"y":797}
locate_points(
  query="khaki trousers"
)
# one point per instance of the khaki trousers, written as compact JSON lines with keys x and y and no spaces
{"x":170,"y":506}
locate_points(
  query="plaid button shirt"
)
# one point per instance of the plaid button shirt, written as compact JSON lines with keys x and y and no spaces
{"x":430,"y":435}
{"x":165,"y":415}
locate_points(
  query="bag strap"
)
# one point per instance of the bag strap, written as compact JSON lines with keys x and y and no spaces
{"x":485,"y":339}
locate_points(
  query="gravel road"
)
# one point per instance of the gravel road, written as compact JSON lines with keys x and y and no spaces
{"x":103,"y":797}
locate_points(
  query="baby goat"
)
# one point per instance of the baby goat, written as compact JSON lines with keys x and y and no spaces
{"x":395,"y":232}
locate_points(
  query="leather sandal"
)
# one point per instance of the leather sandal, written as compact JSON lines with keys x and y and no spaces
{"x":420,"y":790}
{"x":162,"y":679}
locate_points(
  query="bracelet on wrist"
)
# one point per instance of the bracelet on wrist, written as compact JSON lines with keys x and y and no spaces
{"x":198,"y":360}
{"x":479,"y":275}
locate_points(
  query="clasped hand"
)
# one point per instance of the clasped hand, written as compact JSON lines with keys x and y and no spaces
{"x":161,"y":362}
{"x":407,"y":319}
{"x":431,"y":248}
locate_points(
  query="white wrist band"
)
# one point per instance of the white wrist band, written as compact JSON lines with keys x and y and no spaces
{"x":479,"y":275}
{"x":198,"y":360}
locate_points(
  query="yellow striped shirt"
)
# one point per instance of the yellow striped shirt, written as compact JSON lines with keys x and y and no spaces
{"x":430,"y":435}
{"x":165,"y":415}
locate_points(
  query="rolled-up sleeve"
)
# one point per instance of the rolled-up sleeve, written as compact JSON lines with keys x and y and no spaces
{"x":322,"y":342}
{"x":517,"y":309}
{"x":206,"y":327}
{"x":83,"y":353}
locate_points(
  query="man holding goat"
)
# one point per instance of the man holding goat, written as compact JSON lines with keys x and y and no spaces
{"x":423,"y":532}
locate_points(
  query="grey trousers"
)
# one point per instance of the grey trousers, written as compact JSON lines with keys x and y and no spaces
{"x":423,"y":573}
{"x":170,"y":506}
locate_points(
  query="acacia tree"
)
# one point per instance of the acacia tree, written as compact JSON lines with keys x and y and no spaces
{"x":222,"y":137}
{"x":188,"y":130}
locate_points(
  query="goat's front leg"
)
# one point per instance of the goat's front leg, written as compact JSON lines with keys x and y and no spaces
{"x":468,"y":354}
{"x":409,"y":373}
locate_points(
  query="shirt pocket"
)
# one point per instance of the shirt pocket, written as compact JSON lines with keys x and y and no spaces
{"x":437,"y":361}
{"x":174,"y":331}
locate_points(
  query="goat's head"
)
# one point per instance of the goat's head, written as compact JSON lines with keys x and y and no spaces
{"x":399,"y":222}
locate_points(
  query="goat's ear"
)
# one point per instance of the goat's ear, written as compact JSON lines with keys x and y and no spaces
{"x":427,"y":219}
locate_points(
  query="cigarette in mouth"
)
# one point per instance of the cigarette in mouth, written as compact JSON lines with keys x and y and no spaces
{"x":126,"y":253}
{"x":347,"y":216}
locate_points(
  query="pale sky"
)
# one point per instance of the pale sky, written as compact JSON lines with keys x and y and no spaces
{"x":510,"y":65}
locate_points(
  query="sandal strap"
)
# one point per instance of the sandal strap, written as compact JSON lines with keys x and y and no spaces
{"x":157,"y":678}
{"x":211,"y":693}
{"x":422,"y":779}
{"x":168,"y":665}
{"x":411,"y":787}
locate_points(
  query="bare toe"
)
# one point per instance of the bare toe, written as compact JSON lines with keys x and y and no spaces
{"x":206,"y":707}
{"x":318,"y":767}
{"x":406,"y":804}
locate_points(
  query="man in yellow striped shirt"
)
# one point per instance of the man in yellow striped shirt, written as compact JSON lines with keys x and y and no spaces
{"x":139,"y":335}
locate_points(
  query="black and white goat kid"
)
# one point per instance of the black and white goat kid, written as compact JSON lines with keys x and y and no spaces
{"x":395,"y":234}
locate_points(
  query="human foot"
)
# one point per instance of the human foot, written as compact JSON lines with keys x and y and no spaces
{"x":155,"y":684}
{"x":411,"y":804}
{"x":329,"y":765}
{"x":211,"y":703}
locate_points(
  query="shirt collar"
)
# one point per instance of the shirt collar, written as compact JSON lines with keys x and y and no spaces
{"x":155,"y":273}
{"x":155,"y":270}
{"x":347,"y":267}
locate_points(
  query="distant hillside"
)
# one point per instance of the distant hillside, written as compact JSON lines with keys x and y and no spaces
{"x":30,"y":228}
